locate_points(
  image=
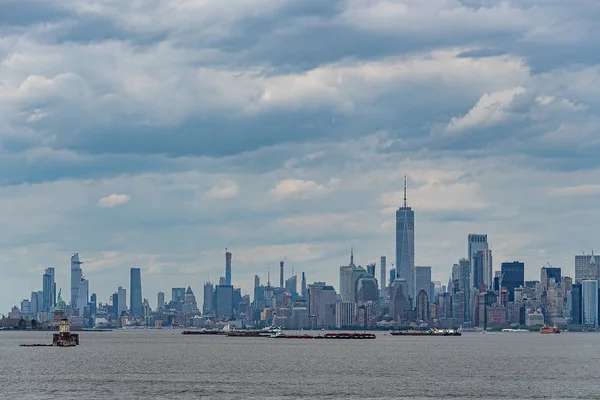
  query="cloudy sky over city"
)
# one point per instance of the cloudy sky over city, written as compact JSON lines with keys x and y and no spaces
{"x":156,"y":133}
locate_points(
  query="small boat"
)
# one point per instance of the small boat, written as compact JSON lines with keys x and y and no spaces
{"x":549,"y":329}
{"x":514,"y":330}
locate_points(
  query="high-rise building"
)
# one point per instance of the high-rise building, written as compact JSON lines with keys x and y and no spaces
{"x":303,"y":288}
{"x":281,"y":272}
{"x":481,"y":265}
{"x":207,"y":305}
{"x":291,"y":285}
{"x":587,"y":267}
{"x":345,"y":315}
{"x":48,"y":289}
{"x":347,"y":288}
{"x":122,"y":300}
{"x":83,"y":296}
{"x":36,"y":303}
{"x":227,"y":268}
{"x":224,"y":301}
{"x":76,"y":274}
{"x":423,"y":280}
{"x":256,"y":281}
{"x":367,"y":289}
{"x":321,"y":305}
{"x":135,"y":292}
{"x":93,"y":304}
{"x":160,"y":304}
{"x":115,"y":304}
{"x":513,"y":276}
{"x":589,"y":295}
{"x":548,"y":275}
{"x":382,"y":276}
{"x":576,"y":304}
{"x":371,"y":269}
{"x":464,"y":286}
{"x":405,"y":245}
{"x":476,"y":243}
{"x":177,"y":295}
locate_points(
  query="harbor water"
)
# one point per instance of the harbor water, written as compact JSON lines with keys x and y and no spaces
{"x":164,"y":364}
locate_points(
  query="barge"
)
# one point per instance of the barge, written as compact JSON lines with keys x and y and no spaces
{"x":430,"y":332}
{"x":280,"y":335}
{"x":203,"y":332}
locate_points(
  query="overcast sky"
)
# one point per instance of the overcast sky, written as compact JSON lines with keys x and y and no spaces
{"x":156,"y":133}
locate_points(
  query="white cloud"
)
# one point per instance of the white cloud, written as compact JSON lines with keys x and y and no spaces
{"x":491,"y":109}
{"x":576,"y":191}
{"x":226,"y":190}
{"x":302,"y":189}
{"x":113,"y":200}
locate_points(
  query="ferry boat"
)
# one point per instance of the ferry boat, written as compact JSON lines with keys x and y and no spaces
{"x":549,"y":329}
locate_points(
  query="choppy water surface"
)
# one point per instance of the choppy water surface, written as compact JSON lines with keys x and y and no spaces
{"x":168,"y":365}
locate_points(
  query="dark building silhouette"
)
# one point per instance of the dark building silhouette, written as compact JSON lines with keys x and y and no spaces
{"x":513,"y":276}
{"x":576,"y":304}
{"x":135,"y":292}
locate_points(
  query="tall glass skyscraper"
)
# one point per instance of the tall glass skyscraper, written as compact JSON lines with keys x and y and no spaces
{"x":135,"y":292}
{"x":589,"y":289}
{"x":48,"y":290}
{"x":227,"y":267}
{"x":405,"y":245}
{"x":513,"y":276}
{"x":476,"y":243}
{"x":76,"y":275}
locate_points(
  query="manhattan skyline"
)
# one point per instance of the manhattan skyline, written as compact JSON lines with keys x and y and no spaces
{"x":143,"y":145}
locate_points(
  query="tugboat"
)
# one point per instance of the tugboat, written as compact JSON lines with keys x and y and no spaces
{"x":550,"y":329}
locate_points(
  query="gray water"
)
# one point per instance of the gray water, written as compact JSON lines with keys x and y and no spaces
{"x":168,"y":365}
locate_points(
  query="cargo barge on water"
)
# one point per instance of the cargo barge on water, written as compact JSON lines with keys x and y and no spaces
{"x":280,"y":335}
{"x":430,"y":332}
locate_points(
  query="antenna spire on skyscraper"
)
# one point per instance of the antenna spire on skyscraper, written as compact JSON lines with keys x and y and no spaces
{"x":405,"y":191}
{"x":352,"y":255}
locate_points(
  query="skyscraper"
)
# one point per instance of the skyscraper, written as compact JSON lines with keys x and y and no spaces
{"x":576,"y":304}
{"x":476,"y":243}
{"x":224,"y":301}
{"x":550,"y":274}
{"x":513,"y":276}
{"x":83,"y":296}
{"x":48,"y":288}
{"x":481,"y":266}
{"x":423,"y":280}
{"x":256,"y":281}
{"x":371,"y":269}
{"x":590,"y":301}
{"x":291,"y":285}
{"x":405,"y":244}
{"x":122,"y":293}
{"x":464,"y":286}
{"x":303,"y":288}
{"x":76,"y":274}
{"x":177,"y":294}
{"x":347,"y":289}
{"x":382,"y":275}
{"x":135,"y":292}
{"x":586,"y":267}
{"x":227,"y":267}
{"x":160,"y":304}
{"x":281,"y":273}
{"x":207,"y":306}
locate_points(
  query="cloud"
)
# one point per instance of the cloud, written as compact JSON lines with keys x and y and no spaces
{"x":113,"y":200}
{"x":575,"y":191}
{"x":225,"y":190}
{"x":491,"y":109}
{"x":302,"y":189}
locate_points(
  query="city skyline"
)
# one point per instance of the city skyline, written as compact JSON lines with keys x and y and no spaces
{"x":146,"y":145}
